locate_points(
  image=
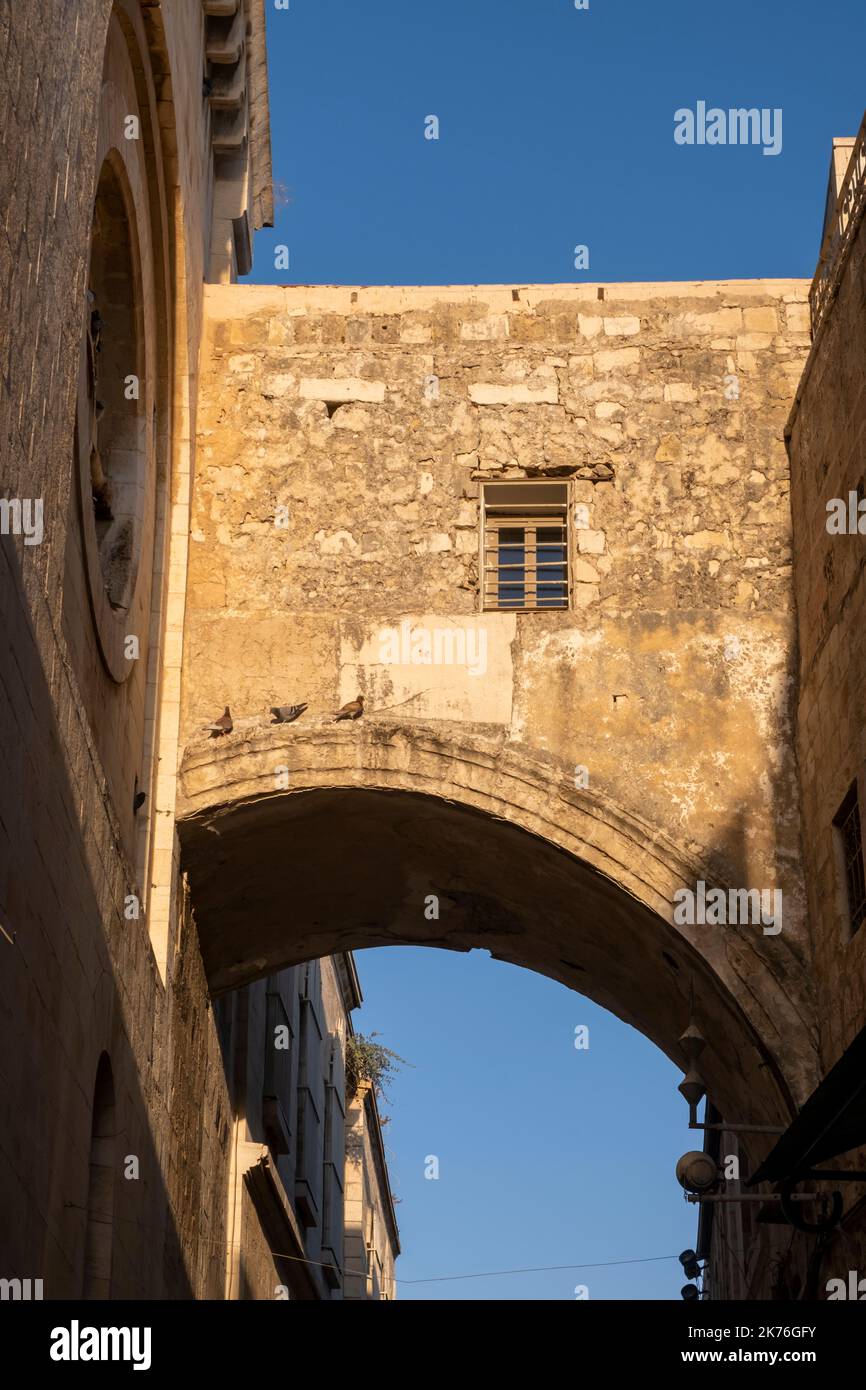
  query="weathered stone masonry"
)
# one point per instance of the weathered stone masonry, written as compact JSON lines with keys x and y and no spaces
{"x":79,"y":981}
{"x":366,"y":418}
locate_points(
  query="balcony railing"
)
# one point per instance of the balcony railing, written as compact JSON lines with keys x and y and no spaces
{"x":840,"y":233}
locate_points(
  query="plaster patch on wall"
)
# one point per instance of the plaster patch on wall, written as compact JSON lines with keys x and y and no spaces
{"x":431,"y":666}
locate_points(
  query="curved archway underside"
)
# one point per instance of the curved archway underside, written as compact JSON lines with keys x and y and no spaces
{"x":300,"y":843}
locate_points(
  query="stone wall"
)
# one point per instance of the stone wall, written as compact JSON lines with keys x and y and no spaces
{"x":679,"y":650}
{"x":78,"y":976}
{"x":671,"y":679}
{"x":828,"y":460}
{"x":367,"y":419}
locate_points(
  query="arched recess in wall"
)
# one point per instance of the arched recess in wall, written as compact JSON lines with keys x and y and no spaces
{"x":99,"y":1235}
{"x":115,"y":442}
{"x":122,"y":435}
{"x":117,"y":398}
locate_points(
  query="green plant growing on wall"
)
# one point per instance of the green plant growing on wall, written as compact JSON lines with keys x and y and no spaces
{"x":367,"y":1060}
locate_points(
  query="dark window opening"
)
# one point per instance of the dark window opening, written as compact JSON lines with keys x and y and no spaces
{"x":849,"y":834}
{"x":99,"y":1231}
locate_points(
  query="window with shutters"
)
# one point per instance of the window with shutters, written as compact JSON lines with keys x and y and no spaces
{"x":277,"y":1098}
{"x":525,"y":546}
{"x":311,"y":1102}
{"x":334,"y":1148}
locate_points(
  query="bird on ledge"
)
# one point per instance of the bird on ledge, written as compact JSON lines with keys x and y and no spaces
{"x":286,"y":714}
{"x":353,"y":710}
{"x":223,"y":725}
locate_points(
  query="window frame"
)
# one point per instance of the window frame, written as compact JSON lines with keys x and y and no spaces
{"x":851,"y":869}
{"x":526,"y":516}
{"x":279,"y":1099}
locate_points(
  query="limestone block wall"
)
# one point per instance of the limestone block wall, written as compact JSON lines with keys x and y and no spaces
{"x":343,"y":437}
{"x":78,"y":977}
{"x":828,"y":461}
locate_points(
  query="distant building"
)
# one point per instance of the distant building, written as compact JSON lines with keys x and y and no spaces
{"x":297,"y":1229}
{"x":372,"y":1239}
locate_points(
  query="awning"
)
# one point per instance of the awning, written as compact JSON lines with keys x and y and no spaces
{"x":832,"y":1122}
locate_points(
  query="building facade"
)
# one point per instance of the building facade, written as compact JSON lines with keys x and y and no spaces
{"x":136,"y":167}
{"x":570,"y":544}
{"x":826,"y":439}
{"x":372,"y":1239}
{"x":311,"y":1214}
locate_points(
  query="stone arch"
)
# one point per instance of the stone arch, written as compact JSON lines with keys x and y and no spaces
{"x":99,"y":1234}
{"x":299,"y":843}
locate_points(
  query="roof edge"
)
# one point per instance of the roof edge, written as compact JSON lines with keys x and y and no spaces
{"x":262,"y":184}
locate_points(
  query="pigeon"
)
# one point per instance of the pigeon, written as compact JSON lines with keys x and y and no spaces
{"x":353,"y":710}
{"x":223,"y":725}
{"x":286,"y":714}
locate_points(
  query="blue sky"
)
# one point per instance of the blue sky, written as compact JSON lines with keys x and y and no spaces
{"x":548,"y":1155}
{"x":556,"y":129}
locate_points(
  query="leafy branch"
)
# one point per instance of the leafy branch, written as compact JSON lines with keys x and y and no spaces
{"x":370,"y":1061}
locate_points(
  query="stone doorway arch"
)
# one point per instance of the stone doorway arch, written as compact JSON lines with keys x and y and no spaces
{"x":99,"y":1231}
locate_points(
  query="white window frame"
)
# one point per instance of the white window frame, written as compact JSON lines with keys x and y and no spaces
{"x":527,"y":517}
